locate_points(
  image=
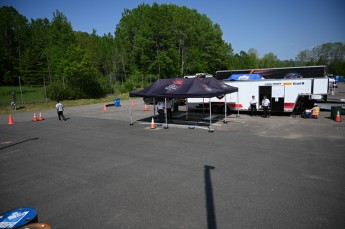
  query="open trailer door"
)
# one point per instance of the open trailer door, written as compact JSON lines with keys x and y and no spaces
{"x":265,"y":91}
{"x":278,"y":95}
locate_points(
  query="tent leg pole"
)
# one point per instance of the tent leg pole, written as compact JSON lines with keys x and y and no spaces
{"x":225,"y":108}
{"x":130,"y":112}
{"x":154,"y":107}
{"x":186,"y":111}
{"x":209,"y":128}
{"x":238,"y":109}
{"x":166,"y":115}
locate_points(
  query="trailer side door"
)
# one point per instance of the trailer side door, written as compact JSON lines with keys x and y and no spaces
{"x":278,"y":94}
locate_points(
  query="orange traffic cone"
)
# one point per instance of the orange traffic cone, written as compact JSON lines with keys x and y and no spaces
{"x":146,"y":108}
{"x":132,"y":103}
{"x":105,"y":107}
{"x":153,"y":126}
{"x":35,"y":118}
{"x":10,"y":120}
{"x":41,"y":117}
{"x":337,"y":118}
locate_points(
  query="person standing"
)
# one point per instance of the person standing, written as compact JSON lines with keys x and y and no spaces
{"x":253,"y":109}
{"x":59,"y":109}
{"x":160,"y":109}
{"x":14,"y":100}
{"x":169,"y":105}
{"x":265,"y":105}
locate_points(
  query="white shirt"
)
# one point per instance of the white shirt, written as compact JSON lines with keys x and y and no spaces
{"x":59,"y":107}
{"x":265,"y":102}
{"x":253,"y":101}
{"x":168,"y":104}
{"x":160,"y":105}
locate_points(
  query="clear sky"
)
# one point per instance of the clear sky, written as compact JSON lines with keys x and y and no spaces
{"x":282,"y":27}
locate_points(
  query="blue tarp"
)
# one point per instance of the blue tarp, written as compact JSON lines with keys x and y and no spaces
{"x":339,"y":78}
{"x":246,"y":77}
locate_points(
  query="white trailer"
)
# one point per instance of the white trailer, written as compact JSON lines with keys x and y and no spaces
{"x":283,"y":94}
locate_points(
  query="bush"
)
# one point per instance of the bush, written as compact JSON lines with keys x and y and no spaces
{"x":56,"y":91}
{"x":89,"y":89}
{"x":105,"y":85}
{"x":137,"y":82}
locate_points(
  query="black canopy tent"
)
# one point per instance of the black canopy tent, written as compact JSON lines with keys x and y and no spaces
{"x":185,"y":88}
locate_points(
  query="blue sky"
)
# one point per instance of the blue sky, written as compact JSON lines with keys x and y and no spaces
{"x":278,"y":26}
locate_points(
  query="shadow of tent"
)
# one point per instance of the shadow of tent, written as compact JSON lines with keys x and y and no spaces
{"x":211,"y":214}
{"x":194,"y":118}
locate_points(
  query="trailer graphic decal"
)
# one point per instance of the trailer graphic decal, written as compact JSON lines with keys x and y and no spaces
{"x":287,"y":83}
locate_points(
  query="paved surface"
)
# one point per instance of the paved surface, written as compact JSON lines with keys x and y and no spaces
{"x":97,"y":171}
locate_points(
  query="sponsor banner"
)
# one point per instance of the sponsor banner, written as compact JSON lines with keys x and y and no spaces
{"x":284,"y":84}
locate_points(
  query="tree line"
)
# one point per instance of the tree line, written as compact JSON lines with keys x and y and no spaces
{"x":150,"y":42}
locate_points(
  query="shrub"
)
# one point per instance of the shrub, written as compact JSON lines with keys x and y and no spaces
{"x":56,"y":91}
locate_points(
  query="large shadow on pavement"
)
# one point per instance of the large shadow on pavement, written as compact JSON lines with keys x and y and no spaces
{"x":211,"y":214}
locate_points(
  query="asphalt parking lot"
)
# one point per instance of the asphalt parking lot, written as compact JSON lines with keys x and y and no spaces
{"x":97,"y":171}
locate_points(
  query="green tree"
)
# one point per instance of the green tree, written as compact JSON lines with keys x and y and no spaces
{"x":253,"y":58}
{"x":303,"y":58}
{"x":107,"y":58}
{"x":168,"y":41}
{"x":269,"y":60}
{"x":61,"y":37}
{"x":330,"y":54}
{"x":82,"y":77}
{"x":13,"y":33}
{"x":242,"y":61}
{"x":35,"y":60}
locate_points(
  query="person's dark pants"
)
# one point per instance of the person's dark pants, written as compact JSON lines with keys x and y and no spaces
{"x":161,"y":115}
{"x":253,"y":110}
{"x":266,"y":114}
{"x":60,"y":114}
{"x":169,"y":114}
